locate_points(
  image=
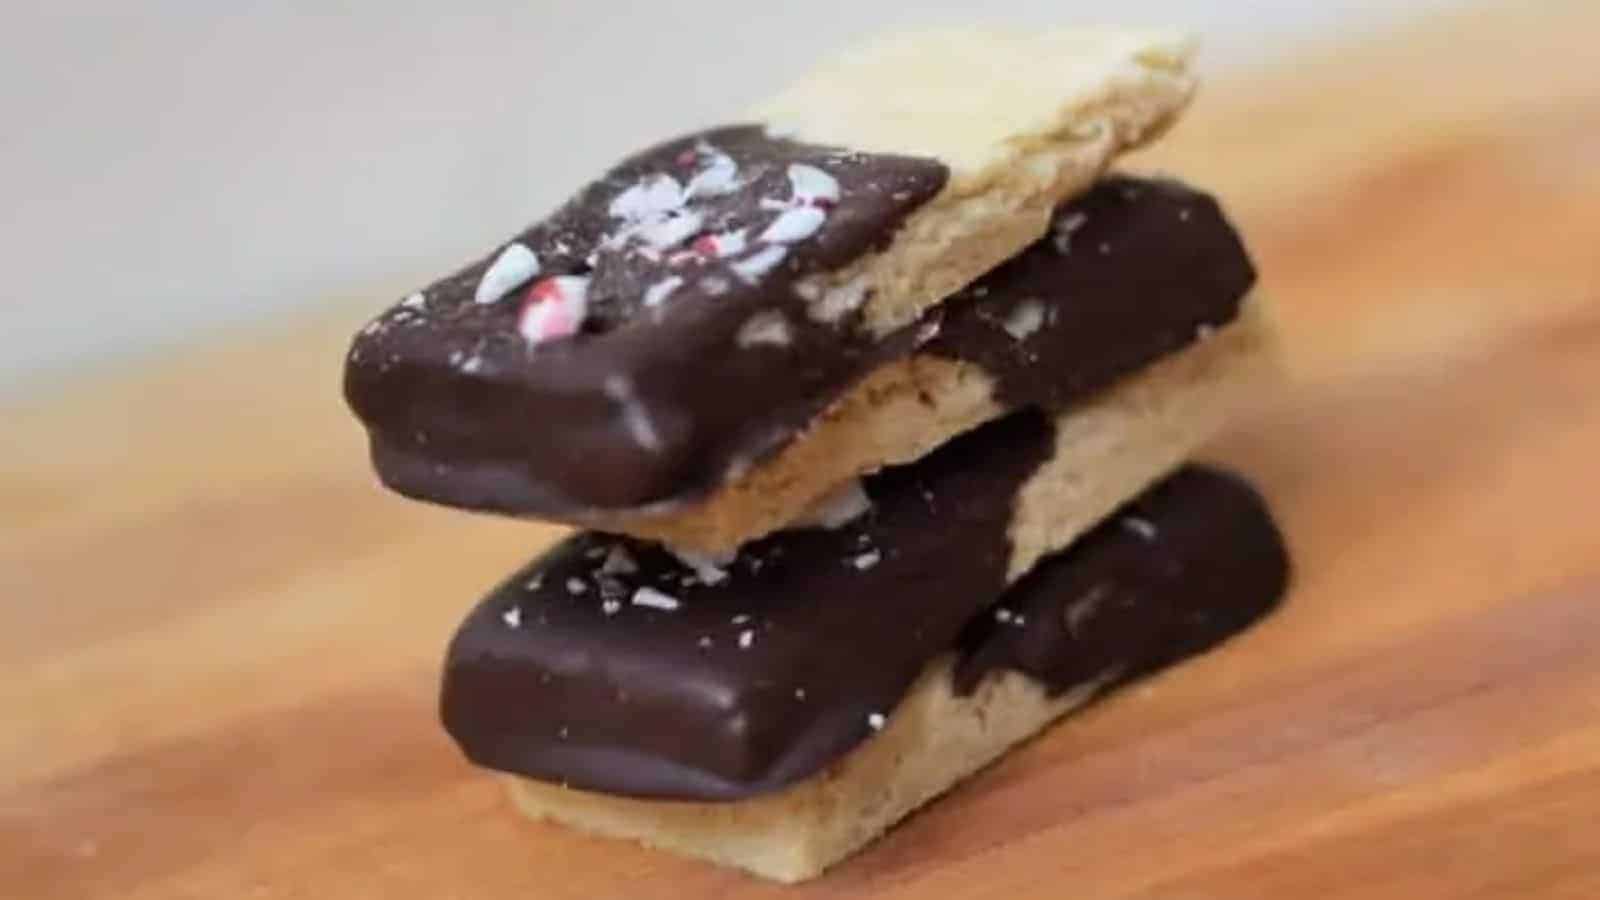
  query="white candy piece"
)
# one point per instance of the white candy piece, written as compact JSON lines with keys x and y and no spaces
{"x":767,"y":328}
{"x":657,"y":293}
{"x":721,"y":176}
{"x":811,"y":184}
{"x":669,"y":231}
{"x":515,"y":265}
{"x":795,"y":224}
{"x":652,"y":198}
{"x":753,"y":267}
{"x":649,"y":596}
{"x":1023,"y":320}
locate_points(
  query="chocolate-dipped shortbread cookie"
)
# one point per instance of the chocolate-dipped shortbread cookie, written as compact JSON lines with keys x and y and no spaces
{"x":660,"y":338}
{"x":743,"y":415}
{"x":780,"y":715}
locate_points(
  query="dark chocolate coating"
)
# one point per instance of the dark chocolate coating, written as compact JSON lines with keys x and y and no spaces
{"x":634,"y":703}
{"x":1191,"y":562}
{"x":1149,"y":264}
{"x":462,"y":410}
{"x":668,"y":704}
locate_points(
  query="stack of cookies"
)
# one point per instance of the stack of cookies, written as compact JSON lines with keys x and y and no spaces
{"x":876,"y":409}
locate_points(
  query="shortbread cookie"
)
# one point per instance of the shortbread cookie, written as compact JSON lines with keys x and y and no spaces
{"x":735,"y":421}
{"x":946,"y":534}
{"x":689,"y":311}
{"x":1189,"y":564}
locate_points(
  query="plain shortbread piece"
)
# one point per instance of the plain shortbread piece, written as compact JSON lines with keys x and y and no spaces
{"x":1023,"y":121}
{"x":907,"y":407}
{"x":1108,"y":451}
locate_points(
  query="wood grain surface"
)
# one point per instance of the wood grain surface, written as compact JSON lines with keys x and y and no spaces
{"x":219,"y":640}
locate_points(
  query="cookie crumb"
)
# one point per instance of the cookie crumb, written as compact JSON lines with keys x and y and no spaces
{"x":844,"y":505}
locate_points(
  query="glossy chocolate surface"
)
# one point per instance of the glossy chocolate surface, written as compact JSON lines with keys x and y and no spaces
{"x":569,"y":673}
{"x":660,"y":404}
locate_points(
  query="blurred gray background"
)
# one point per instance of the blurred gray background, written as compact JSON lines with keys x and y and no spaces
{"x":172,"y":168}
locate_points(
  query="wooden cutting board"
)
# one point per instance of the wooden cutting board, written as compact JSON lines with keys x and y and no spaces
{"x":219,"y":640}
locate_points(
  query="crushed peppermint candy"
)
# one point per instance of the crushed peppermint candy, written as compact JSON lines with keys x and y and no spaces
{"x":740,"y":619}
{"x":812,"y":186}
{"x":866,"y":560}
{"x":657,"y":293}
{"x":534,"y":583}
{"x":799,"y":693}
{"x":649,"y":596}
{"x":1024,"y":319}
{"x":1002,"y":615}
{"x":747,"y":638}
{"x":718,"y":246}
{"x":755,"y":266}
{"x":714,"y":286}
{"x":415,"y":301}
{"x":618,"y":562}
{"x":876,"y":721}
{"x":512,"y":616}
{"x":554,"y":307}
{"x":610,"y":606}
{"x":720,"y":176}
{"x":634,"y":416}
{"x":767,"y":328}
{"x":705,"y":642}
{"x":795,"y":224}
{"x":515,"y":265}
{"x":577,"y":587}
{"x":1204,"y":332}
{"x":1144,"y":528}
